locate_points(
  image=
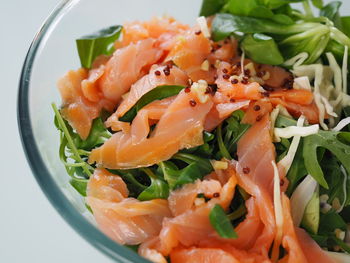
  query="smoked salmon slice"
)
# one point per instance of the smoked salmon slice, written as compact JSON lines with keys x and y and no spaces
{"x":181,"y":126}
{"x":158,"y":75}
{"x":126,"y":66}
{"x":125,"y":220}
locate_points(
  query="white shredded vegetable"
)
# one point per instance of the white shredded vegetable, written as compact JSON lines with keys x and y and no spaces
{"x":301,"y":197}
{"x":291,"y":131}
{"x":287,"y":160}
{"x":302,"y":83}
{"x":278,"y":211}
{"x":345,"y":69}
{"x":339,"y":257}
{"x":297,"y":60}
{"x":344,"y":188}
{"x":202,"y":22}
{"x":341,"y":124}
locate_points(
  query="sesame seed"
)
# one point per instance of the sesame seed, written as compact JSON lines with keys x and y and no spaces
{"x":198,"y":32}
{"x":226,"y":76}
{"x":259,"y":118}
{"x":166,"y":71}
{"x":187,"y":89}
{"x":193,"y":103}
{"x":265,"y":94}
{"x":244,"y":81}
{"x":232,"y":100}
{"x":225,"y":71}
{"x":157,"y":73}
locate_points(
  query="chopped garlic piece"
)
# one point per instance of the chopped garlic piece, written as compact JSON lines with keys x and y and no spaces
{"x":125,"y":96}
{"x":251,"y":68}
{"x":199,"y":201}
{"x":339,"y":234}
{"x":202,"y":22}
{"x":324,"y":198}
{"x":336,"y":204}
{"x":205,"y":65}
{"x":266,"y":76}
{"x":199,"y":88}
{"x":219,"y":165}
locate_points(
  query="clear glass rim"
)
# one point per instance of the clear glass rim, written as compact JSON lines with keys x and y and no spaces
{"x":39,"y":168}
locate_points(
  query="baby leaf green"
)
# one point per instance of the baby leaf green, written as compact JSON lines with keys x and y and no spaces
{"x":221,"y":223}
{"x":158,"y":93}
{"x":96,"y":44}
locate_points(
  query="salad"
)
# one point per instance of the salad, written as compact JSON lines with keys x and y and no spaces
{"x":225,"y":141}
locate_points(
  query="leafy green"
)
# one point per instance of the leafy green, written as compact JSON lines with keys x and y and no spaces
{"x":70,"y":155}
{"x":79,"y":185}
{"x":254,"y":44}
{"x":196,"y":168}
{"x":248,"y":8}
{"x":157,"y":190}
{"x":318,"y":3}
{"x":96,"y":44}
{"x":331,"y":11}
{"x":176,"y":177}
{"x":221,"y":223}
{"x":345,"y":20}
{"x":311,"y":218}
{"x":158,"y":93}
{"x":211,"y":7}
{"x":327,"y":140}
{"x":229,"y":133}
{"x":335,"y":180}
{"x":297,"y":170}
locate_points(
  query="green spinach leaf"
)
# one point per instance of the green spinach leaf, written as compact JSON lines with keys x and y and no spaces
{"x":254,"y":44}
{"x":158,"y":93}
{"x":211,"y":7}
{"x":221,"y":223}
{"x":96,"y":44}
{"x":331,"y":11}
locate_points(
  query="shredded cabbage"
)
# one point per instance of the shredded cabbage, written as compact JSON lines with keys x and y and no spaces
{"x":202,"y":22}
{"x":301,"y":197}
{"x":339,"y":257}
{"x":342,"y":124}
{"x":287,"y":161}
{"x":278,"y":212}
{"x":291,"y":131}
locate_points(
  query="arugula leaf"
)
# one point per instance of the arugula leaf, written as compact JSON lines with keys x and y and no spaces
{"x":221,"y":223}
{"x":331,"y":11}
{"x":79,"y":185}
{"x":327,"y":140}
{"x":253,"y":44}
{"x":211,"y":7}
{"x":157,"y":190}
{"x":135,"y":180}
{"x":297,"y":171}
{"x":229,"y":133}
{"x":197,"y":168}
{"x":97,"y":136}
{"x":177,"y":178}
{"x":345,"y":20}
{"x":96,"y":44}
{"x":158,"y":93}
{"x":273,"y":4}
{"x":311,"y":217}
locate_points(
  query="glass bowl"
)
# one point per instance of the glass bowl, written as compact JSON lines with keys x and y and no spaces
{"x":51,"y":54}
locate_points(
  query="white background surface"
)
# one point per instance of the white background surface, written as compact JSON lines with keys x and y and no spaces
{"x":30,"y":228}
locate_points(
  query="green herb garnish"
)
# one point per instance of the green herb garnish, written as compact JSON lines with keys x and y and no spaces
{"x":96,"y":44}
{"x":158,"y":93}
{"x":221,"y":223}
